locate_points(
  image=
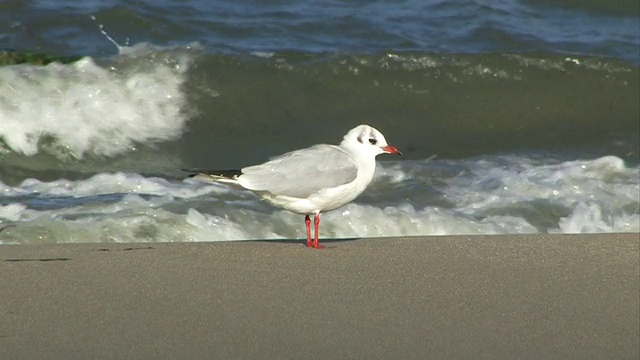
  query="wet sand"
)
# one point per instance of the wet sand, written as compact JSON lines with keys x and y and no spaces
{"x":474,"y":297}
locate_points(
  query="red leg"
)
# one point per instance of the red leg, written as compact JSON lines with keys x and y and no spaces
{"x":307,"y":221}
{"x":316,"y":223}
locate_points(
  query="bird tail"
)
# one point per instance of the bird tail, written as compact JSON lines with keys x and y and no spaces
{"x":220,"y":176}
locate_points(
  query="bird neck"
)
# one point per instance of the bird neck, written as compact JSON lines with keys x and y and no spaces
{"x":366,"y":161}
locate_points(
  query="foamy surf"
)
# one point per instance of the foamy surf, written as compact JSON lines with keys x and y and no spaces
{"x":82,"y":108}
{"x":488,"y":195}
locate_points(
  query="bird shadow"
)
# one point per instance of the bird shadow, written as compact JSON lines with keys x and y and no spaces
{"x":304,"y":241}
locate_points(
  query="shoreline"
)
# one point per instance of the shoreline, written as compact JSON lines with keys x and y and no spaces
{"x":505,"y":296}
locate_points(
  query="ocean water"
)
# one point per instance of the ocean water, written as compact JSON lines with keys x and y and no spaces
{"x":514,"y":116}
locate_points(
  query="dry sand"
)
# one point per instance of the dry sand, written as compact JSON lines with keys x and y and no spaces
{"x":472,"y":297}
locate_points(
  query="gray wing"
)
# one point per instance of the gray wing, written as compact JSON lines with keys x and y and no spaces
{"x":301,"y":173}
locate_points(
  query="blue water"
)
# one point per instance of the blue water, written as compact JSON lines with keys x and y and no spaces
{"x":566,"y":27}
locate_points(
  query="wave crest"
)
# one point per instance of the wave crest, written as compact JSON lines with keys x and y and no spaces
{"x":82,"y":108}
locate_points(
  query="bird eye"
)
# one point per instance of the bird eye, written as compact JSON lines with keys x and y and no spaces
{"x":373,"y":141}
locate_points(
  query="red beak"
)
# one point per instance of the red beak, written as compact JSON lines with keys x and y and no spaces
{"x":391,"y":150}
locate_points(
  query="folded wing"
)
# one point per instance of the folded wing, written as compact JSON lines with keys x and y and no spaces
{"x":301,"y":173}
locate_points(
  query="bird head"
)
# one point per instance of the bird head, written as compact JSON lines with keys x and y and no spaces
{"x":368,"y":139}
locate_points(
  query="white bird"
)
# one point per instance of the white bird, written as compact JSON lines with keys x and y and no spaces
{"x":313,"y":180}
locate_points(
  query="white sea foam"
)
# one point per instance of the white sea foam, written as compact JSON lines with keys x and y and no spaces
{"x":500,"y":195}
{"x":83,"y":108}
{"x":604,"y":180}
{"x":12,"y":212}
{"x":590,"y":218}
{"x":114,"y":183}
{"x":134,"y":219}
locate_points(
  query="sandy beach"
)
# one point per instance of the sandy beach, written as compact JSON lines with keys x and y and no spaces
{"x":474,"y":297}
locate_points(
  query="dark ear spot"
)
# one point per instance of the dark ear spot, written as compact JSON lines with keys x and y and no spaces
{"x":360,"y":138}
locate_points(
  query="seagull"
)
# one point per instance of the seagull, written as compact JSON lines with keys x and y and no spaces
{"x":316,"y":179}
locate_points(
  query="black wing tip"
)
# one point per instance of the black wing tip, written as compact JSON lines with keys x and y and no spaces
{"x":193,"y":172}
{"x":222,"y":173}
